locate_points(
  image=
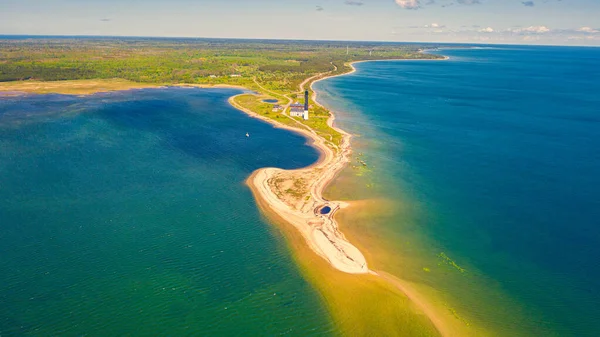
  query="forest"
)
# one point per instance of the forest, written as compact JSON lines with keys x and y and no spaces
{"x":277,"y":64}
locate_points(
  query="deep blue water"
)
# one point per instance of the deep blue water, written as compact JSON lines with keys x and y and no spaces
{"x":126,"y":214}
{"x":325,"y":210}
{"x":498,"y":150}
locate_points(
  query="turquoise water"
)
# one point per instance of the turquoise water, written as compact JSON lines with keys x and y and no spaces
{"x":491,"y":157}
{"x":127,"y":214}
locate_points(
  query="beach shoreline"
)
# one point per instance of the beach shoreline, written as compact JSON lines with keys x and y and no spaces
{"x":332,"y":164}
{"x":321,"y":232}
{"x":353,"y":70}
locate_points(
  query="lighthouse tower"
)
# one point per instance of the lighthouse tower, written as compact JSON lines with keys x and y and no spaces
{"x":305,"y":115}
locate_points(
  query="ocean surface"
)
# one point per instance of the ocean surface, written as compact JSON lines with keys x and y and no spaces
{"x":484,"y":172}
{"x":126,"y":214}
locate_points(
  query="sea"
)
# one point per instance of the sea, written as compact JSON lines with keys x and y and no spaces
{"x":126,"y":213}
{"x":482,"y":184}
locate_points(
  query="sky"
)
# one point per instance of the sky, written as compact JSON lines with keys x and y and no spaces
{"x":557,"y":22}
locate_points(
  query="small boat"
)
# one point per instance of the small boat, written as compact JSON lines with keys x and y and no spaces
{"x":247,"y":134}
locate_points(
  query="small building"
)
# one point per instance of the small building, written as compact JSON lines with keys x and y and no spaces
{"x":300,"y":110}
{"x":213,"y":76}
{"x":276,"y":107}
{"x":297,"y":110}
{"x":236,"y":75}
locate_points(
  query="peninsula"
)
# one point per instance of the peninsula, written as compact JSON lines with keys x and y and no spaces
{"x":274,"y":75}
{"x":268,"y":68}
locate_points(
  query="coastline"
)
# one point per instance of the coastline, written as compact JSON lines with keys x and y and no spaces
{"x":320,"y":233}
{"x":436,"y":317}
{"x":353,"y":70}
{"x":337,"y":251}
{"x":426,"y":300}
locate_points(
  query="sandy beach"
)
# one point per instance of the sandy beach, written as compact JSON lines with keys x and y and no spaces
{"x":320,"y":231}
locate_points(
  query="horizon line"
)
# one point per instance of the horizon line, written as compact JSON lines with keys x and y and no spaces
{"x":285,"y":39}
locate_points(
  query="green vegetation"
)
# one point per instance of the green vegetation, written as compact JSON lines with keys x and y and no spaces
{"x":450,"y":262}
{"x":457,"y":316}
{"x":299,"y":189}
{"x":274,"y":69}
{"x":281,"y":65}
{"x":255,"y":104}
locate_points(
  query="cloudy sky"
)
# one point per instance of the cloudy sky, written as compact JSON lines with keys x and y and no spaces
{"x":564,"y":22}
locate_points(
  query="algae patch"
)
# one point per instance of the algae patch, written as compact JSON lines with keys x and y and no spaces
{"x":447,"y":260}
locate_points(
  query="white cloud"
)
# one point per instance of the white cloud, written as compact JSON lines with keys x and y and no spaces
{"x":584,"y":38}
{"x":537,"y":29}
{"x":588,"y":30}
{"x":530,"y":30}
{"x":409,"y":4}
{"x":416,"y":4}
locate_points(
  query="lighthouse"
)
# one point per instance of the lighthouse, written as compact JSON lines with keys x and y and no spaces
{"x":305,"y":115}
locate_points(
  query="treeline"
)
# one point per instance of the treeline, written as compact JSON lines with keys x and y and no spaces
{"x":304,"y":66}
{"x":282,"y":64}
{"x":33,"y":72}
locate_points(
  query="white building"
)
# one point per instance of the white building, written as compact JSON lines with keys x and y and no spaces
{"x":297,"y":110}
